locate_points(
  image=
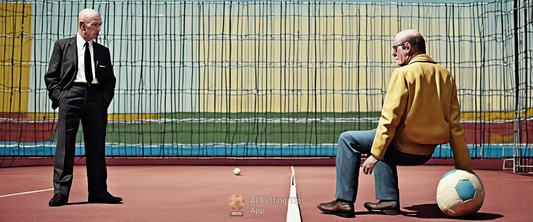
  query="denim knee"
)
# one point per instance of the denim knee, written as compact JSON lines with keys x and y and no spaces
{"x":345,"y":138}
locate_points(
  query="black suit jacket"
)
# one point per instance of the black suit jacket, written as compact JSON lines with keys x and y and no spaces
{"x":64,"y":66}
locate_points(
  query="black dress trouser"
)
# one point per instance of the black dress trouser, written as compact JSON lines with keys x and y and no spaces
{"x":85,"y":104}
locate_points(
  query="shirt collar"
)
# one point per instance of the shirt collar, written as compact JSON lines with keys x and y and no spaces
{"x":80,"y":41}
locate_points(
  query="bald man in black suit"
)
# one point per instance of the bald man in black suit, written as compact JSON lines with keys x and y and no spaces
{"x":81,"y":83}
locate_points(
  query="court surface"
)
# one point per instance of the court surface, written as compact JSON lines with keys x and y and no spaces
{"x":202,"y":193}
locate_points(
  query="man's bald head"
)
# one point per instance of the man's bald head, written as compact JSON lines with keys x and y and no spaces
{"x":407,"y":44}
{"x":87,"y":14}
{"x":414,"y":38}
{"x":89,"y":22}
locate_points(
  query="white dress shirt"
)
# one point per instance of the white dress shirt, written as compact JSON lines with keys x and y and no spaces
{"x":80,"y":75}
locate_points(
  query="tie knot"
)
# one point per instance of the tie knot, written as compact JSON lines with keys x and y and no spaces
{"x":86,"y":44}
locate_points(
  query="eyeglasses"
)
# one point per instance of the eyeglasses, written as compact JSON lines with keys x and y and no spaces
{"x":396,"y":46}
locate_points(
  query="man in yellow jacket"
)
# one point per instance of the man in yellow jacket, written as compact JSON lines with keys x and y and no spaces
{"x":420,"y":111}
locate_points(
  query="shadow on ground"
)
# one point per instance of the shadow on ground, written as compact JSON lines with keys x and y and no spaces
{"x":432,"y":211}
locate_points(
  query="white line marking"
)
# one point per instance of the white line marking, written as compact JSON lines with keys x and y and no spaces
{"x":35,"y":191}
{"x":293,"y":211}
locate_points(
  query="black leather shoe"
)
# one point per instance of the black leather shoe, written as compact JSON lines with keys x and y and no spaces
{"x":338,"y":207}
{"x":58,"y":200}
{"x":389,"y":207}
{"x":104,"y":198}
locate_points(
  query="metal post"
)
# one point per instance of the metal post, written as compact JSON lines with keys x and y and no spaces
{"x":516,"y":139}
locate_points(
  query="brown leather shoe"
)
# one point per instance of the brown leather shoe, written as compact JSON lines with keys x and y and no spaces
{"x":389,"y":207}
{"x":338,"y":207}
{"x":58,"y":200}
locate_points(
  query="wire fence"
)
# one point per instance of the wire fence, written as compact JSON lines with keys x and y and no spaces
{"x":267,"y":78}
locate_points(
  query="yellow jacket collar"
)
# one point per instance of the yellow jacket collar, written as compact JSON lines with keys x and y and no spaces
{"x":421,"y":58}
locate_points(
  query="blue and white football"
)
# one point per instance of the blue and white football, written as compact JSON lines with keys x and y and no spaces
{"x":460,"y":193}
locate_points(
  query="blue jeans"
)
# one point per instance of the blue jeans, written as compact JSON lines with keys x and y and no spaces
{"x":351,"y":145}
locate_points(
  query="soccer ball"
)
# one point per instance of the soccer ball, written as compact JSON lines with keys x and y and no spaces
{"x":460,"y":193}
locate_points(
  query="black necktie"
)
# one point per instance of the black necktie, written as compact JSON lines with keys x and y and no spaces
{"x":88,"y":64}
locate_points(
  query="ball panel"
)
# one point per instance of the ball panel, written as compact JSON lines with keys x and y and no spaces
{"x":448,"y":196}
{"x":477,"y":201}
{"x":465,"y":189}
{"x":462,"y":175}
{"x":470,"y":207}
{"x":450,"y":212}
{"x":441,"y":187}
{"x":463,"y":213}
{"x":440,"y":203}
{"x":451,"y":180}
{"x":445,"y":210}
{"x":474,"y":179}
{"x":448,"y":173}
{"x":456,"y":206}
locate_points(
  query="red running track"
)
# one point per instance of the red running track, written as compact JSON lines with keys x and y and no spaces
{"x":201,"y":193}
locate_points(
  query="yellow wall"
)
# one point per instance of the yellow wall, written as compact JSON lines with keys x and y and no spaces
{"x":15,"y":56}
{"x":300,"y":75}
{"x":495,"y":116}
